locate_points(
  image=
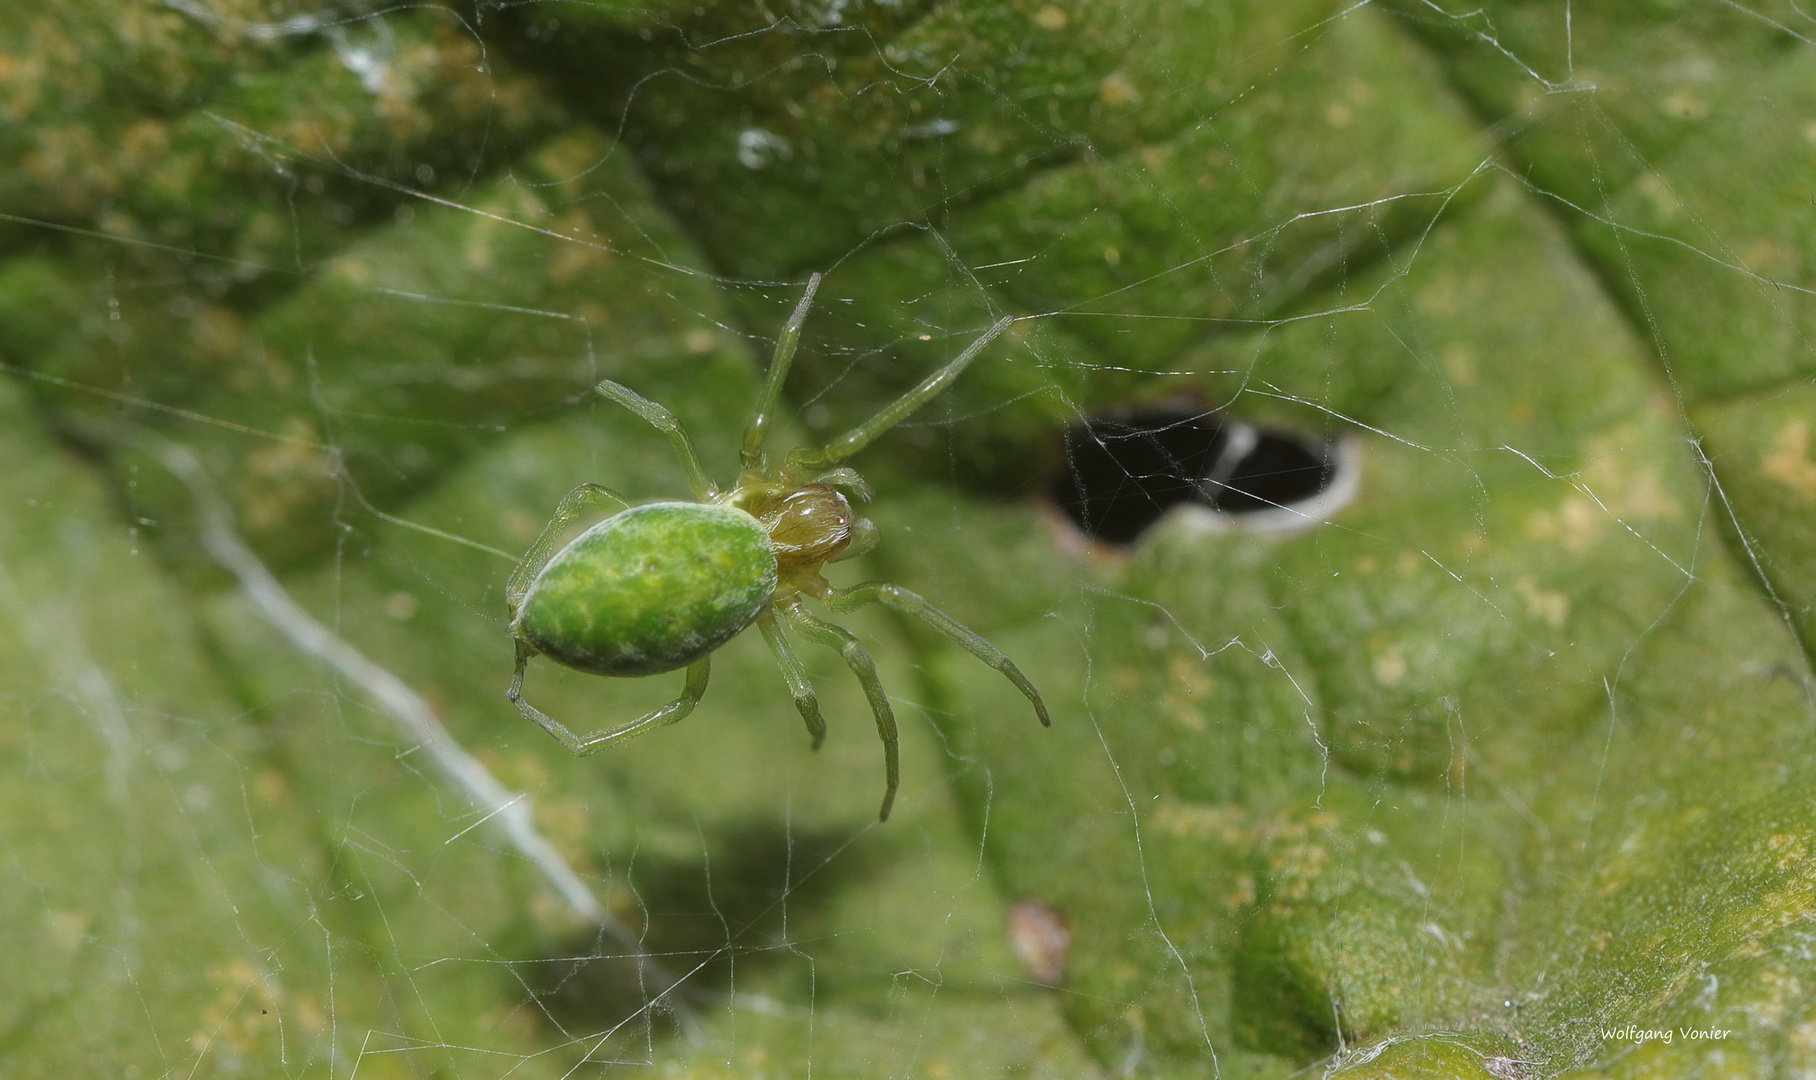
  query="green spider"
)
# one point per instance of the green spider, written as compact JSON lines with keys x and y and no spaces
{"x":659,"y":587}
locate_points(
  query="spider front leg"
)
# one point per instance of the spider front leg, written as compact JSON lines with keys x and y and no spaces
{"x":750,"y":454}
{"x":796,"y":676}
{"x":664,"y":421}
{"x":899,"y":599}
{"x":848,"y":646}
{"x":861,"y":436}
{"x":581,"y":745}
{"x":544,"y":548}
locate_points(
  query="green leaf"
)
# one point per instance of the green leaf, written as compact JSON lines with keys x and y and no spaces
{"x":1500,"y":771}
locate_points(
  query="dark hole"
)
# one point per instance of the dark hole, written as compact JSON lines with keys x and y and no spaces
{"x":703,"y":920}
{"x":1122,"y":474}
{"x":1278,"y":470}
{"x":1124,"y":471}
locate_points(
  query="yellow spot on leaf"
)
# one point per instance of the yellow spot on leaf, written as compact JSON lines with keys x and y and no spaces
{"x":1439,"y":297}
{"x":585,"y":255}
{"x":1116,"y":89}
{"x":554,"y":914}
{"x":241,"y":1019}
{"x":1789,"y":462}
{"x":1459,"y":364}
{"x":272,"y":788}
{"x":355,"y":272}
{"x":1580,"y":522}
{"x":282,"y":481}
{"x":1771,"y":258}
{"x":1188,"y":686}
{"x":1543,"y":604}
{"x":1389,"y":666}
{"x":218,"y":333}
{"x":1685,"y":105}
{"x":67,"y":929}
{"x":1656,"y":192}
{"x":1200,"y":821}
{"x":519,"y":524}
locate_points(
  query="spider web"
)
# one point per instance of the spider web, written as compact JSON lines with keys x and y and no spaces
{"x":1480,"y":752}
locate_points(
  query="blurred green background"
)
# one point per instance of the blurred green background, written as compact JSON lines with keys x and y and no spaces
{"x":1512,"y":754}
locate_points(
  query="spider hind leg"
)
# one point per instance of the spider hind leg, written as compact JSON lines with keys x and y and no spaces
{"x":847,"y":645}
{"x":896,"y":598}
{"x":582,"y":745}
{"x":518,"y":585}
{"x":796,"y":675}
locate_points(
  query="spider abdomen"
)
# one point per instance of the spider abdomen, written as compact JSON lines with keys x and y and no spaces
{"x":650,"y":590}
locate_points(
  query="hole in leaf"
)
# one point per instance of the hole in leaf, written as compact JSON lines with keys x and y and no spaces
{"x":1124,"y":471}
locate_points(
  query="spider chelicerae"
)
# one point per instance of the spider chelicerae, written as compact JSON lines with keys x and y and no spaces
{"x":658,"y":587}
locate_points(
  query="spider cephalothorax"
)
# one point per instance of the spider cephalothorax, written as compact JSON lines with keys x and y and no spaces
{"x":661,"y":586}
{"x":809,"y":526}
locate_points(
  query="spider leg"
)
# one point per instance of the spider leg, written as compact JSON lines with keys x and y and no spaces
{"x":750,"y":455}
{"x":848,"y":646}
{"x":899,"y":599}
{"x":538,"y":556}
{"x":796,"y":675}
{"x":859,"y":437}
{"x":664,"y":421}
{"x":677,"y":709}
